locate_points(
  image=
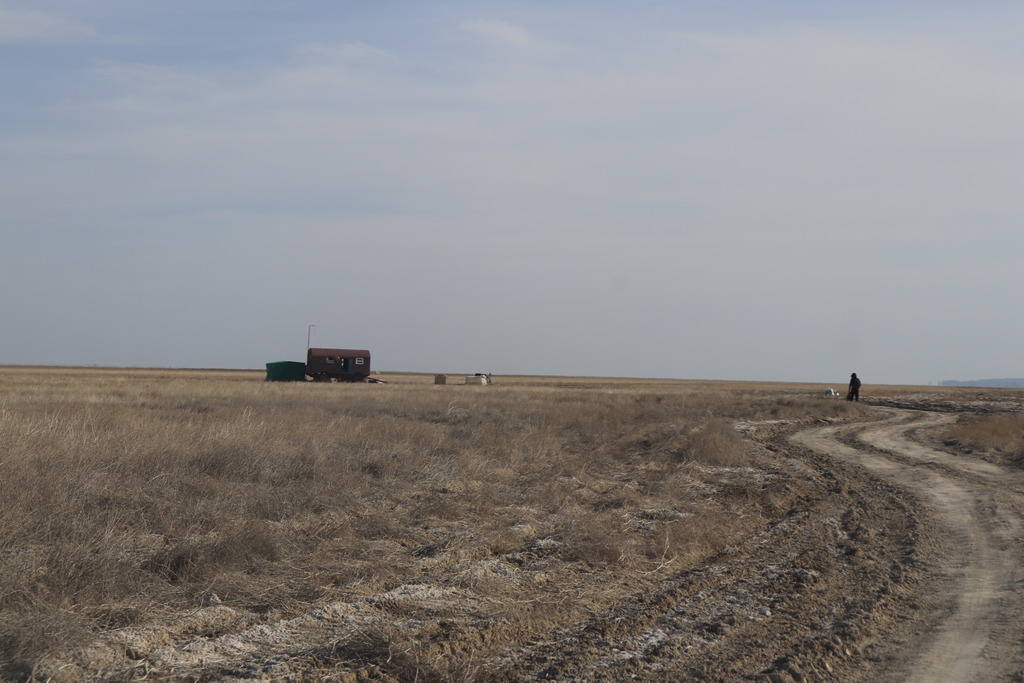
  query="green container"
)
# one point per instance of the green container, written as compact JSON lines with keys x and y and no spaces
{"x":286,"y":371}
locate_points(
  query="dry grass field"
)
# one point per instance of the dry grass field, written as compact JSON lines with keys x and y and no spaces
{"x":132,"y":497}
{"x":1001,"y":436}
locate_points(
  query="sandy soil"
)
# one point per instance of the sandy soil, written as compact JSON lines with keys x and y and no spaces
{"x":900,"y":562}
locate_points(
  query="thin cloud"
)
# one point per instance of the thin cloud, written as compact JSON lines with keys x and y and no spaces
{"x":499,"y":32}
{"x":26,"y":26}
{"x":345,"y":52}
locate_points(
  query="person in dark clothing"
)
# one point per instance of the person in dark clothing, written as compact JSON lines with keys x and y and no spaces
{"x":853,"y":394}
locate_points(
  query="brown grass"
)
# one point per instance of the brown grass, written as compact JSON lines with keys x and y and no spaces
{"x":129,"y":495}
{"x":1002,"y":435}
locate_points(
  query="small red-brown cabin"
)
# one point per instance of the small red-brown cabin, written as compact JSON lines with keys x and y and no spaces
{"x":344,"y":365}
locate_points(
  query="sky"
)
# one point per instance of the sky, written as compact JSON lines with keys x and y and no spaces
{"x":724,"y":189}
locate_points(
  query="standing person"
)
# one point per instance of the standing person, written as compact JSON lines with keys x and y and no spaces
{"x":853,"y":394}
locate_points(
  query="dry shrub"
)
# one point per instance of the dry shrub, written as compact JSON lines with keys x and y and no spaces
{"x":245,"y":544}
{"x":182,"y":561}
{"x":501,"y":539}
{"x":590,"y":537}
{"x":368,"y":648}
{"x":697,"y":536}
{"x":22,"y":632}
{"x":380,"y":652}
{"x":715,"y":444}
{"x":778,"y":498}
{"x":238,"y":545}
{"x":439,"y":504}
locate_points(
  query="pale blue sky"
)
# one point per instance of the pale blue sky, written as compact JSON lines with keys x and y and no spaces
{"x":724,"y":190}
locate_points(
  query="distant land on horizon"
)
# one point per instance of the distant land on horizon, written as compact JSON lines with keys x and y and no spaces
{"x":1005,"y":383}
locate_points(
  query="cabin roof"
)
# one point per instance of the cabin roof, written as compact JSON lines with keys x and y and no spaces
{"x":342,"y":353}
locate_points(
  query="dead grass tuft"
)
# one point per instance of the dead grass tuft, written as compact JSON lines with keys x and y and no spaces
{"x":715,"y":444}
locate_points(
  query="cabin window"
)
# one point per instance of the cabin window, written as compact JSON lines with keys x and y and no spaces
{"x":359,"y":361}
{"x":330,"y":360}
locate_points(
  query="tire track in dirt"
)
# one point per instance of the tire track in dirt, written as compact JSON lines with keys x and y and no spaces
{"x":978,"y":638}
{"x":797,"y":602}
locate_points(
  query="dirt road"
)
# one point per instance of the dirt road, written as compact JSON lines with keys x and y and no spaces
{"x":973,"y":629}
{"x":900,"y":562}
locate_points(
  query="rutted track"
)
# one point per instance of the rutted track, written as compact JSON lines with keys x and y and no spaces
{"x":900,"y":562}
{"x":978,"y":634}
